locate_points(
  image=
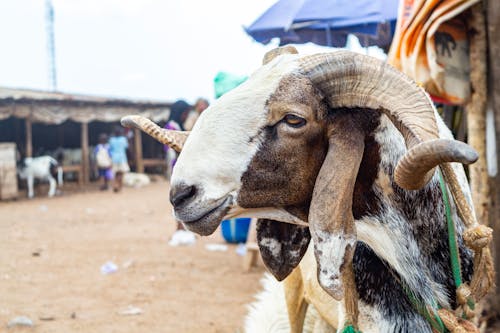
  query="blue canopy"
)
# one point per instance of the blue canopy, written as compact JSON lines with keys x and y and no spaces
{"x":327,"y":22}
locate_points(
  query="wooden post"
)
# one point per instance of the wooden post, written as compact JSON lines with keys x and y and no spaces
{"x":29,"y":137}
{"x":139,"y":165}
{"x":60,"y":135}
{"x":493,"y":19}
{"x":476,"y":113}
{"x":252,"y":254}
{"x":85,"y":167}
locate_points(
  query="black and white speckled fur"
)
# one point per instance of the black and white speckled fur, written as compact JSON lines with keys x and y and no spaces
{"x":406,"y":238}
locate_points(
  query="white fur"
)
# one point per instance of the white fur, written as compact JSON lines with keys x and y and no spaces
{"x":268,"y":313}
{"x":219,"y":149}
{"x":395,"y":248}
{"x":272,"y":213}
{"x":273,"y":245}
{"x":39,"y":167}
{"x":332,"y":249}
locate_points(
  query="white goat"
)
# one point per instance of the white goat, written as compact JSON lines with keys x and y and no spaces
{"x":42,"y":168}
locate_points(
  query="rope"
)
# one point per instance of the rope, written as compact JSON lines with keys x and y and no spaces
{"x":430,"y":313}
{"x":349,"y":329}
{"x":477,"y":237}
{"x":463,"y":292}
{"x":452,"y":236}
{"x":350,"y":298}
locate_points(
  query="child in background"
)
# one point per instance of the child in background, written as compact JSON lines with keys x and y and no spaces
{"x":103,"y":160}
{"x":118,"y":144}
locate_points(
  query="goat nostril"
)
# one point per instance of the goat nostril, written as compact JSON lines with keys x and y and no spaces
{"x":181,"y":194}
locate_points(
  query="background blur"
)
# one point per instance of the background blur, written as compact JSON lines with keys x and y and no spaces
{"x":146,"y":49}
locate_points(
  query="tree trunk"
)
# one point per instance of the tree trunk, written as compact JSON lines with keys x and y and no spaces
{"x":493,"y":24}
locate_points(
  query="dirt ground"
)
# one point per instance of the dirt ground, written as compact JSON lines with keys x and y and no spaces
{"x":52,"y":251}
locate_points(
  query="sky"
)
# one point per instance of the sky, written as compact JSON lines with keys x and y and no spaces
{"x":140,"y":49}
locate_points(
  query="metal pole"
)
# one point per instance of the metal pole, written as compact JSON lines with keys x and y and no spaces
{"x":51,"y":54}
{"x":328,"y":36}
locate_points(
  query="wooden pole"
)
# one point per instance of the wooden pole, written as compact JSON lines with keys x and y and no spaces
{"x":476,"y":113}
{"x":139,"y":165}
{"x":493,"y":19}
{"x":138,"y":153}
{"x":85,"y":167}
{"x":476,"y":120}
{"x":29,"y":137}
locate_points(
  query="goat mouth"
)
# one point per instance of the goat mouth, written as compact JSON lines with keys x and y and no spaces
{"x":208,"y":222}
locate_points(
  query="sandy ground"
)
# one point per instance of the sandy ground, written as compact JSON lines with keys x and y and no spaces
{"x":52,"y":251}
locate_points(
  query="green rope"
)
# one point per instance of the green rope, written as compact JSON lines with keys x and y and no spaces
{"x":452,"y":236}
{"x":452,"y":241}
{"x":349,"y":329}
{"x":428,"y":312}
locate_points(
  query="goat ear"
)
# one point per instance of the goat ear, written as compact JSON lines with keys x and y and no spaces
{"x":270,"y":55}
{"x":330,"y":214}
{"x":281,"y":245}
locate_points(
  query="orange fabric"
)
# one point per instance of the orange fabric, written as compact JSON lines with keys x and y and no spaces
{"x":430,"y":45}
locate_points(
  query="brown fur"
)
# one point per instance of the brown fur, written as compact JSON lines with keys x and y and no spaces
{"x":290,"y":242}
{"x":283,"y":173}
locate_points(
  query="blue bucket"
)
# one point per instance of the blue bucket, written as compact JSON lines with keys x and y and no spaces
{"x":235,"y":230}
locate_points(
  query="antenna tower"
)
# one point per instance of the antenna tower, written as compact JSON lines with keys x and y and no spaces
{"x":51,"y":55}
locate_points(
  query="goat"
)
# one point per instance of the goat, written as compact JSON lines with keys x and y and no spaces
{"x":297,"y":304}
{"x":268,"y":313}
{"x":43,"y":168}
{"x":343,"y":148}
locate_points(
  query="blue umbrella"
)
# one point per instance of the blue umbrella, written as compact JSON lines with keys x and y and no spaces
{"x":327,"y":22}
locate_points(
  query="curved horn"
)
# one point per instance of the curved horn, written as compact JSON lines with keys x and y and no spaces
{"x":416,"y":165}
{"x":354,"y":80}
{"x":174,"y":139}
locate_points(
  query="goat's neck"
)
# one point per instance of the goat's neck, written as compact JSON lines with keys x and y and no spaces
{"x":405,"y":230}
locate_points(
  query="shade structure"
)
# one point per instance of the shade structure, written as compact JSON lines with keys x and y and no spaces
{"x":327,"y":22}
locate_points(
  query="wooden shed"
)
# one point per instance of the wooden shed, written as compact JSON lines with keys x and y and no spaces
{"x":29,"y":117}
{"x":8,"y":179}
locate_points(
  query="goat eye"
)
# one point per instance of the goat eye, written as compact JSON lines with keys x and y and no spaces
{"x":294,"y":121}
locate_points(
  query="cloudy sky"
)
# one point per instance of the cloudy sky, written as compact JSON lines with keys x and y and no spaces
{"x":153,"y":49}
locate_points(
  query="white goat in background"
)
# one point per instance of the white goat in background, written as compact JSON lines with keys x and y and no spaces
{"x":42,"y":168}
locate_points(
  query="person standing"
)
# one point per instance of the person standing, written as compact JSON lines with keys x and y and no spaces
{"x":118,"y":144}
{"x":178,"y":113}
{"x":104,"y":163}
{"x":200,"y":106}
